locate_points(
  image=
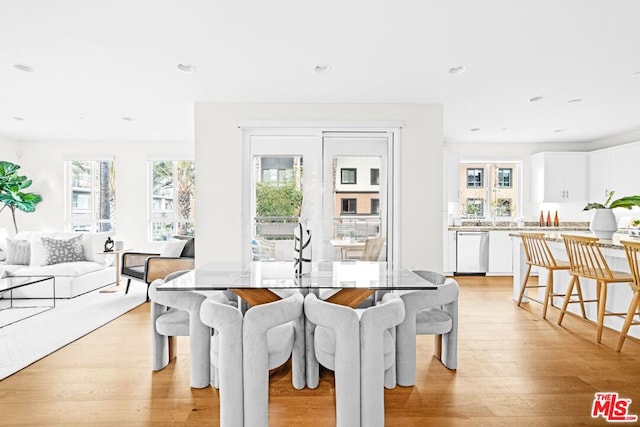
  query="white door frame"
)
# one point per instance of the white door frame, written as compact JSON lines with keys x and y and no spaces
{"x":316,"y":131}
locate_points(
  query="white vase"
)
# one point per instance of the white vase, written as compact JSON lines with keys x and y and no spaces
{"x":603,"y":223}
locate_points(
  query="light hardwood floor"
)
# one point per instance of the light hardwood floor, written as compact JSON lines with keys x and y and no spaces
{"x":513,"y":369}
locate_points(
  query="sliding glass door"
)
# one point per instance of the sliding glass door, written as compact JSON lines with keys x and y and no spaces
{"x":338,"y":183}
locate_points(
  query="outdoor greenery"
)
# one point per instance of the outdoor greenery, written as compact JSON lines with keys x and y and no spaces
{"x":11,"y":194}
{"x":178,"y":186}
{"x":278,"y":200}
{"x":624,"y":202}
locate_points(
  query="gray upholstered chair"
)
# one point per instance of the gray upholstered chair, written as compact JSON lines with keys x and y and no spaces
{"x":243,"y":350}
{"x":428,"y":312}
{"x":177,"y":313}
{"x":226,"y":357}
{"x":359,"y":346}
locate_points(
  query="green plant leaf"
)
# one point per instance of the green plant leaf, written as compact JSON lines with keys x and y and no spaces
{"x":626,"y":202}
{"x":594,"y":206}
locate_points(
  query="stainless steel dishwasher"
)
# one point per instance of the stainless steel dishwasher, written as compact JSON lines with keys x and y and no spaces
{"x":472,"y":252}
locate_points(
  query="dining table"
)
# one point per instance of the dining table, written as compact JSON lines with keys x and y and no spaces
{"x":258,"y":282}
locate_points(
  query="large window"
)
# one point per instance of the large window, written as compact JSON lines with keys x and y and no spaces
{"x":489,"y":189}
{"x":92,"y":195}
{"x":172,"y":199}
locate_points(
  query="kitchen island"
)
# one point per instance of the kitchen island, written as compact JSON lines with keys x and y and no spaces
{"x":618,"y":297}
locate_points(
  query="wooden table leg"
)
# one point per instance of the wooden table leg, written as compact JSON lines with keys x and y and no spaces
{"x":351,"y":297}
{"x":257,"y":296}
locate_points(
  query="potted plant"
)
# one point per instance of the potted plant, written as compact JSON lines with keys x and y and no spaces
{"x":603,"y":222}
{"x":11,"y":195}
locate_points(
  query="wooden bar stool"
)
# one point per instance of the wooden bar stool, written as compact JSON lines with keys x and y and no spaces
{"x":632,"y":249}
{"x":538,"y":254}
{"x":587,"y":261}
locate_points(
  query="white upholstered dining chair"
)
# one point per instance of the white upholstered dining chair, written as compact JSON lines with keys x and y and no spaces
{"x":359,"y":346}
{"x":177,"y":313}
{"x":428,"y":312}
{"x":244,"y":349}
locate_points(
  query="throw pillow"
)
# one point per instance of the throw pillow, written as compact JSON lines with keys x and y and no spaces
{"x":18,"y":252}
{"x":173,"y":248}
{"x":63,"y":250}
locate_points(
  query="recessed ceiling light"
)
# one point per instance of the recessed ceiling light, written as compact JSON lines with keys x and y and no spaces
{"x":80,"y":117}
{"x":18,"y":119}
{"x":535,"y":99}
{"x":185,"y":67}
{"x":504,"y":129}
{"x":474,"y":129}
{"x":457,"y":70}
{"x":321,"y":68}
{"x":574,"y":100}
{"x":637,"y":73}
{"x":23,"y":67}
{"x":127,"y":119}
{"x":559,"y":130}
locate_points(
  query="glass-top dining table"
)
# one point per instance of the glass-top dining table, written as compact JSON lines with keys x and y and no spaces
{"x":354,"y":281}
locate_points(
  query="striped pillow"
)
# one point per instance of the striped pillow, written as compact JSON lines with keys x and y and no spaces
{"x":18,"y":252}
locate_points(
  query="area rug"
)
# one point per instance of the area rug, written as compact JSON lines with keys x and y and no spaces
{"x":26,"y":341}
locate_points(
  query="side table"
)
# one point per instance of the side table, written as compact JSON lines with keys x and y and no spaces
{"x":118,"y":257}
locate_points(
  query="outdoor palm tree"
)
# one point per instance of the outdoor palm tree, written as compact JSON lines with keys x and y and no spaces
{"x":181,"y":191}
{"x":11,"y":194}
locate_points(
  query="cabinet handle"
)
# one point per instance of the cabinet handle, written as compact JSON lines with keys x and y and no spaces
{"x":567,"y":194}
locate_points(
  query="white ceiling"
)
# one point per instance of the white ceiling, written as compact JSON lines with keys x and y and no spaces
{"x":96,"y":62}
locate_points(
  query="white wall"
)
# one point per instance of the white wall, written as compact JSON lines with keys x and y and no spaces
{"x":503,"y":152}
{"x":218,"y":150}
{"x":9,"y":152}
{"x":43,"y":162}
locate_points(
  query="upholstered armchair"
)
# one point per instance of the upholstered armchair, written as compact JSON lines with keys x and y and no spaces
{"x":244,"y":349}
{"x":177,"y":313}
{"x":359,"y":346}
{"x":428,"y":313}
{"x":147,"y":267}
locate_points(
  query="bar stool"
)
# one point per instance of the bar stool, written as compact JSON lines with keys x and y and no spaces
{"x":587,"y":261}
{"x":631,"y":249}
{"x":538,"y":254}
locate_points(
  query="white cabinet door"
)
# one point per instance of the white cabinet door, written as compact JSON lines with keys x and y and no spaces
{"x":559,"y":177}
{"x":625,"y":171}
{"x":450,"y":260}
{"x":500,"y":257}
{"x":599,"y":175}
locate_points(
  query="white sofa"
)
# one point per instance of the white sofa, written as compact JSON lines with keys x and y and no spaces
{"x":71,"y":278}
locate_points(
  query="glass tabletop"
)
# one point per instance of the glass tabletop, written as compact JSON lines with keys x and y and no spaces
{"x":280,"y":275}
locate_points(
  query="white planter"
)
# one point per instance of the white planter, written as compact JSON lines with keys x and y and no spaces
{"x":603,"y":223}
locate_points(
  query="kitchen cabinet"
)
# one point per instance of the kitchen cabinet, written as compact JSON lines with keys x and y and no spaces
{"x":559,"y":177}
{"x":599,"y":175}
{"x":614,"y":169}
{"x":500,"y":257}
{"x":450,"y":263}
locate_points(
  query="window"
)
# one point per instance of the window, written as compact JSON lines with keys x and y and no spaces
{"x":503,"y":178}
{"x":93,"y":197}
{"x":503,"y":207}
{"x":475,"y":208}
{"x":375,"y":206}
{"x":348,"y":206}
{"x":499,"y":195}
{"x":375,"y":176}
{"x":348,"y":176}
{"x":172,"y":199}
{"x":474,"y":177}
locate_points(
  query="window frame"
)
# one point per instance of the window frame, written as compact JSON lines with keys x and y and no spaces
{"x":93,"y":223}
{"x":499,"y":183}
{"x":481,"y":173}
{"x":172,"y":218}
{"x":374,"y":172}
{"x":348,"y":200}
{"x":355,"y":176}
